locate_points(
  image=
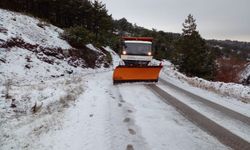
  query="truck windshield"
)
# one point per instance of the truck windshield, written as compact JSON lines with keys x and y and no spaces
{"x":137,"y":48}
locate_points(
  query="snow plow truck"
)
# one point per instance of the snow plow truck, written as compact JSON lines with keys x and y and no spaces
{"x":135,"y":65}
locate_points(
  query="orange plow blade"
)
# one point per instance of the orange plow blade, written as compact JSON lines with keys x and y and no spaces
{"x":136,"y":74}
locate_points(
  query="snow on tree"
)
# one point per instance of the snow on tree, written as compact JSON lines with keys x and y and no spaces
{"x":189,"y":26}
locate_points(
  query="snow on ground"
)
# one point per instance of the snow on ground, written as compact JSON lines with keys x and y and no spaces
{"x":14,"y":24}
{"x":21,"y":126}
{"x":93,"y":121}
{"x":115,"y":57}
{"x":207,"y":89}
{"x":161,"y":125}
{"x":33,"y":93}
{"x":33,"y":99}
{"x":20,"y":65}
{"x":105,"y":117}
{"x":23,"y":65}
{"x":228,"y":95}
{"x":230,"y":90}
{"x":216,"y":97}
{"x":235,"y":126}
{"x":90,"y":46}
{"x":26,"y":80}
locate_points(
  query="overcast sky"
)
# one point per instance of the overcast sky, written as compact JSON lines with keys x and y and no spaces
{"x":218,"y":19}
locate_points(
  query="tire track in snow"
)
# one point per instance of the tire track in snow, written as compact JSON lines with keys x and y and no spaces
{"x":222,"y":134}
{"x":222,"y":109}
{"x":160,"y":125}
{"x":221,"y":114}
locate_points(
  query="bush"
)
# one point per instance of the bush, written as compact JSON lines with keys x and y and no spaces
{"x":114,"y":43}
{"x":78,"y":36}
{"x":107,"y":39}
{"x":89,"y":56}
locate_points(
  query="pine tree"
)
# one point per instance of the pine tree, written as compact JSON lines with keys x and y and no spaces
{"x":192,"y":55}
{"x":101,"y":20}
{"x":189,"y":26}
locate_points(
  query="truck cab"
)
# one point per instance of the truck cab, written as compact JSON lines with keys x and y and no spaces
{"x":136,"y":51}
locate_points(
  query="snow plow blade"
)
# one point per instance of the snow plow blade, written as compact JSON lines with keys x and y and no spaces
{"x":136,"y":74}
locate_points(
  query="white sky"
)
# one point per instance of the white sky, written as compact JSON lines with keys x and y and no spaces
{"x":218,"y":19}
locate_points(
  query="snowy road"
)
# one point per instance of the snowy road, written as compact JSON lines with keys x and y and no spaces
{"x":217,"y":130}
{"x":127,"y":116}
{"x":161,"y":125}
{"x":112,"y":117}
{"x":229,"y":118}
{"x":218,"y":107}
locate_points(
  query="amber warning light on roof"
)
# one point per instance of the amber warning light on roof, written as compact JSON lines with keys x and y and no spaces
{"x":149,"y":39}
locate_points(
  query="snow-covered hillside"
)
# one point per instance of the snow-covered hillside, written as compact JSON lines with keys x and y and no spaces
{"x":31,"y":54}
{"x":38,"y":78}
{"x":231,"y":90}
{"x":17,"y":63}
{"x":33,"y":31}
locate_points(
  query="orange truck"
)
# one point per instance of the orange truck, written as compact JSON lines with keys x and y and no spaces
{"x":136,"y":55}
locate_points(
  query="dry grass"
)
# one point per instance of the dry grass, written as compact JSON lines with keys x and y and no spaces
{"x":229,"y":69}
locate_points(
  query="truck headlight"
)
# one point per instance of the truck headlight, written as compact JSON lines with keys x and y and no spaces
{"x":149,"y":53}
{"x":124,"y":52}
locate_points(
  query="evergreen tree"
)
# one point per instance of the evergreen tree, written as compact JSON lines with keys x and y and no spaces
{"x":89,"y":18}
{"x":192,"y":55}
{"x":189,"y":26}
{"x":102,"y":22}
{"x":123,"y":26}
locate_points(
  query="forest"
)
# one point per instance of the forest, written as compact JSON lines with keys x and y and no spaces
{"x":87,"y":21}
